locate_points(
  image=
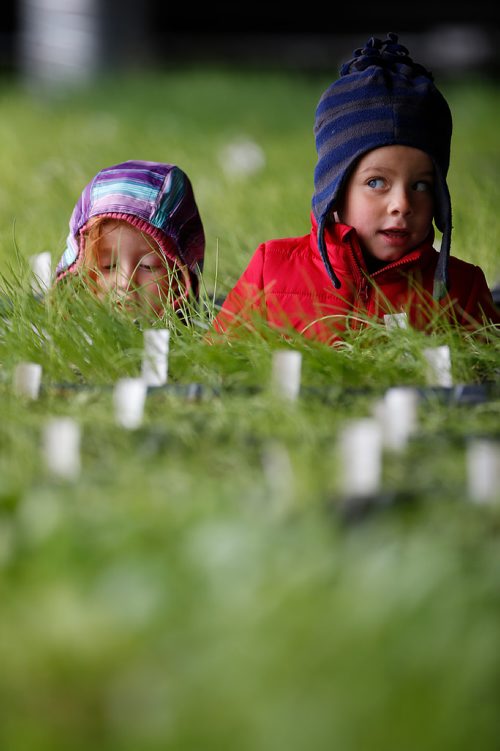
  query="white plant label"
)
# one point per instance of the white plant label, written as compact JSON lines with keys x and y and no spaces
{"x":61,"y":447}
{"x":286,"y":373}
{"x":129,"y":397}
{"x":242,"y":157}
{"x":360,"y":454}
{"x":41,"y":267}
{"x":26,"y":379}
{"x":438,"y":366}
{"x":483,"y":470}
{"x":398,"y":413}
{"x":155,"y":357}
{"x":396,"y":321}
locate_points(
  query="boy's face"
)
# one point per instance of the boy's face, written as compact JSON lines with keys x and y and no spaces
{"x":389,"y":200}
{"x":129,"y":264}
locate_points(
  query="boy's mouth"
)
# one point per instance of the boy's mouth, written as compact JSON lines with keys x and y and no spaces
{"x":395,"y":235}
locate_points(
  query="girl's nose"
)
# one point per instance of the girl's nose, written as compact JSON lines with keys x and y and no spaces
{"x":124,"y":279}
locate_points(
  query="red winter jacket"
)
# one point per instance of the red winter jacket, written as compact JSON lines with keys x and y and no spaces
{"x":286,"y":282}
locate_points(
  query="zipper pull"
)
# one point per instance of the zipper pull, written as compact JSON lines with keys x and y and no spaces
{"x":363,"y":290}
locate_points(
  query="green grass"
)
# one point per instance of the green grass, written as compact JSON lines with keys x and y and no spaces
{"x":199,"y":586}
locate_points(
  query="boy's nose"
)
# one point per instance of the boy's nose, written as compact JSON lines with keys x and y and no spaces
{"x":399,"y":202}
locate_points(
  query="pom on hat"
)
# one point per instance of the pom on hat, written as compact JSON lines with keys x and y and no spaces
{"x":382,"y":98}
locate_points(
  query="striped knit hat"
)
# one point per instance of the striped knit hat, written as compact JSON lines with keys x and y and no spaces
{"x":381,"y":98}
{"x":153,"y":197}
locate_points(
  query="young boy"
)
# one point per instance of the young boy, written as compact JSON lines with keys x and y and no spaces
{"x":383,"y":133}
{"x":137,"y":234}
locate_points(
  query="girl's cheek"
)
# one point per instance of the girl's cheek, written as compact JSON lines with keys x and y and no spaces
{"x":169,"y":286}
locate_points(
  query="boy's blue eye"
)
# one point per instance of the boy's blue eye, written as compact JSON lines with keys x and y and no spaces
{"x":422,"y":186}
{"x":375,"y":182}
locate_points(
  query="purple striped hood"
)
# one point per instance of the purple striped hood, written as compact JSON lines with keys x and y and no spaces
{"x":156,"y":197}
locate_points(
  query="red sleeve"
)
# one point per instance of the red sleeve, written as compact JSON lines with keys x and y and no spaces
{"x":246,"y":300}
{"x":479,"y":306}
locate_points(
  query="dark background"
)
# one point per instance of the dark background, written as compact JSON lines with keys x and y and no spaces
{"x":450,"y":36}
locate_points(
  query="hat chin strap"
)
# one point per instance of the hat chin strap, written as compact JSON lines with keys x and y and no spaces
{"x":324,"y":254}
{"x":441,"y":274}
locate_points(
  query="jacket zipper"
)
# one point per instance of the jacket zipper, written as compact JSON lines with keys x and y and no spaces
{"x":364,"y":291}
{"x":364,"y":288}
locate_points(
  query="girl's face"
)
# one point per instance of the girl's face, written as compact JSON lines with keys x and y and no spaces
{"x":389,"y":200}
{"x":129,"y":264}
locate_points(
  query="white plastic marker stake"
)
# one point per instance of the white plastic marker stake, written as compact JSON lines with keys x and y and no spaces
{"x":438,"y":366}
{"x":61,"y":447}
{"x":279,"y":475}
{"x":242,"y":157}
{"x":398,"y":413}
{"x":286,"y":373}
{"x":155,"y":358}
{"x":41,"y":267}
{"x":26,"y":379}
{"x":395,"y":321}
{"x":129,"y":396}
{"x":483,"y":470}
{"x":360,"y":455}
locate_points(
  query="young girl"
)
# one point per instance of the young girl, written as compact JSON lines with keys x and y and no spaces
{"x":137,"y":234}
{"x":383,"y":133}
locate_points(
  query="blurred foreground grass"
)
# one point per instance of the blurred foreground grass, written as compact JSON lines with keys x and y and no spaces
{"x":198,"y":585}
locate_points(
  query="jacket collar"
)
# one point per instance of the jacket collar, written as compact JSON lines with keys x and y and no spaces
{"x":346,"y":257}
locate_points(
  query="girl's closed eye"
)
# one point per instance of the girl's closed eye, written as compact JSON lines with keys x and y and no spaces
{"x":153,"y":265}
{"x":107,"y":265}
